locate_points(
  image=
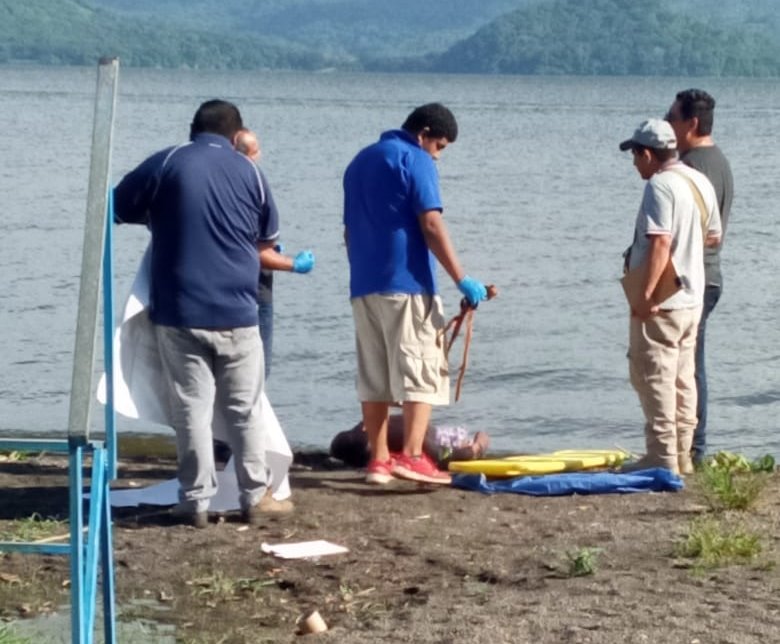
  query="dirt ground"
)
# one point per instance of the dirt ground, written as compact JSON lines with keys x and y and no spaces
{"x":427,"y":565}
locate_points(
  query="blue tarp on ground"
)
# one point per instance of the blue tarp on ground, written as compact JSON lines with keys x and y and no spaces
{"x":651,"y":480}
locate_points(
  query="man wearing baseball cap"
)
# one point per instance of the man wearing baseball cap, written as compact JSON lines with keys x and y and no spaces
{"x":677,"y":216}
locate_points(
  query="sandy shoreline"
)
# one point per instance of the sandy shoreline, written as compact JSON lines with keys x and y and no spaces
{"x":424,"y":565}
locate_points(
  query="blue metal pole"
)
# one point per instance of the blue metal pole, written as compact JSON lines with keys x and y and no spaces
{"x":107,"y":559}
{"x":108,"y":337}
{"x":94,"y":534}
{"x":76,"y":461}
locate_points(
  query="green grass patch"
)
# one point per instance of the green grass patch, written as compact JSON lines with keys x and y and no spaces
{"x":219,"y":587}
{"x":7,"y":636}
{"x":32,"y":528}
{"x":730,"y":489}
{"x":733,"y":462}
{"x":583,"y":561}
{"x":12,"y":457}
{"x":714,"y":543}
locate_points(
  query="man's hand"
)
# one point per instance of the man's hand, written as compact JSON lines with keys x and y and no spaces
{"x":646,"y":309}
{"x":474,"y":291}
{"x":303,"y":262}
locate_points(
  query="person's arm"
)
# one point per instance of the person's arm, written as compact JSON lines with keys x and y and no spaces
{"x":272,"y":260}
{"x":713,"y":240}
{"x":438,"y":241}
{"x":267,"y":249}
{"x":714,"y":226}
{"x":437,"y":238}
{"x":134,"y":194}
{"x":657,"y":257}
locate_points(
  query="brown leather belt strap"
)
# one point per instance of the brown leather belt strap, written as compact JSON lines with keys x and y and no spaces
{"x":466,"y":315}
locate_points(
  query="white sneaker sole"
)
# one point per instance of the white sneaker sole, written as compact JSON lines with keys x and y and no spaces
{"x":375,"y":478}
{"x":401,"y":472}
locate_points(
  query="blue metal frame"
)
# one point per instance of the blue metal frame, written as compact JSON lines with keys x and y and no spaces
{"x":91,"y":555}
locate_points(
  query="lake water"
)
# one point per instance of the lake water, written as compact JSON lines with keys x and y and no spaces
{"x":538,"y":199}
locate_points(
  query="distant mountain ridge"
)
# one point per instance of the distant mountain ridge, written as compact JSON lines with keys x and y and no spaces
{"x":612,"y":37}
{"x":679,"y":37}
{"x":350,"y":29}
{"x":72,"y":32}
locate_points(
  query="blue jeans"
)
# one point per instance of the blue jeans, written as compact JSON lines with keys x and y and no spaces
{"x":711,"y":297}
{"x":265,"y":314}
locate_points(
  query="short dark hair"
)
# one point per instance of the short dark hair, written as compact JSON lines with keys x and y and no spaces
{"x":661,"y":155}
{"x":217,"y":117}
{"x":438,"y":120}
{"x":698,"y":103}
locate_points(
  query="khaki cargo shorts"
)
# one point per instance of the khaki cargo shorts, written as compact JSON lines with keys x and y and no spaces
{"x":401,"y":349}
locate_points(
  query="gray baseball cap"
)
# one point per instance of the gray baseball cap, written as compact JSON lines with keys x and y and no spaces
{"x":653,"y":133}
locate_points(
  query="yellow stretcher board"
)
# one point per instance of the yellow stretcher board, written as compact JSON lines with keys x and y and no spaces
{"x":537,"y":464}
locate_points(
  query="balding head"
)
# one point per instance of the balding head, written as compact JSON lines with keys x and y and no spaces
{"x":247,"y":144}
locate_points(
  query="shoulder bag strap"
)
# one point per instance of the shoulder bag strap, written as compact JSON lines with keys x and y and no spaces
{"x":699,"y":202}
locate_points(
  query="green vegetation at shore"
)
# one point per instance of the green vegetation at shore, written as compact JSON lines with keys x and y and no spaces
{"x":573,"y":37}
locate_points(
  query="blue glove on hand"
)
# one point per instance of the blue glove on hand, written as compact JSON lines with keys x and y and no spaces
{"x":303,"y":262}
{"x":472,"y":290}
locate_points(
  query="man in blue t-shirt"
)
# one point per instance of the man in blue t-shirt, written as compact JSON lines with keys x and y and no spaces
{"x":394,"y":231}
{"x":210,"y":216}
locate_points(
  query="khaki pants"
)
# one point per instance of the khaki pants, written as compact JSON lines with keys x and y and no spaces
{"x":400,"y":349}
{"x":661,"y":358}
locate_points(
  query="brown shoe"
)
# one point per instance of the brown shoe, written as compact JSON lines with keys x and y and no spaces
{"x":685,"y":463}
{"x":184,"y":514}
{"x":266,"y":508}
{"x":648,"y":462}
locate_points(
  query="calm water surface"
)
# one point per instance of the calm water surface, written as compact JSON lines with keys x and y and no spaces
{"x":538,"y":199}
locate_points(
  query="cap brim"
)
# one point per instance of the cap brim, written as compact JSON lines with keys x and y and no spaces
{"x":627,"y":145}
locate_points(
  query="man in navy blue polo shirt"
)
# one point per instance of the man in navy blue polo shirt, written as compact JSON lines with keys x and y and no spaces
{"x":395,"y":232}
{"x":210,"y":216}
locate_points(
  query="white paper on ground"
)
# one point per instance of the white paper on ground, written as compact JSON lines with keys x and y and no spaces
{"x":138,"y":388}
{"x":303,"y":549}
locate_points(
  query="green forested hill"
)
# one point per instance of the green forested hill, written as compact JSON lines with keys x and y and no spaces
{"x":347,"y":28}
{"x":73,"y":32}
{"x":615,"y":37}
{"x":674,"y":37}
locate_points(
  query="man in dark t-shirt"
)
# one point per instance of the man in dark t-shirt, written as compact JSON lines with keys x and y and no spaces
{"x":691,"y":116}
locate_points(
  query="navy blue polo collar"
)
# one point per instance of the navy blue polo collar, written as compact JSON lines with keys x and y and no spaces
{"x":212,"y":139}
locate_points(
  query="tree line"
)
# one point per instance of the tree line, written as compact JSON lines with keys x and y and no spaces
{"x":575,"y":37}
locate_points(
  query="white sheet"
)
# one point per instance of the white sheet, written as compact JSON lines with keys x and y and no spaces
{"x":138,"y":385}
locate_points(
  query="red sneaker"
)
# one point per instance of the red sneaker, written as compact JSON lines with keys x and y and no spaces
{"x":419,"y":468}
{"x":379,"y":472}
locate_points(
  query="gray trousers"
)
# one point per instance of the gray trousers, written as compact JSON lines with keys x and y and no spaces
{"x":208,"y":371}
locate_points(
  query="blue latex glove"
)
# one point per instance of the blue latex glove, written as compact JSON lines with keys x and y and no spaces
{"x":472,"y":290}
{"x":303,"y":262}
